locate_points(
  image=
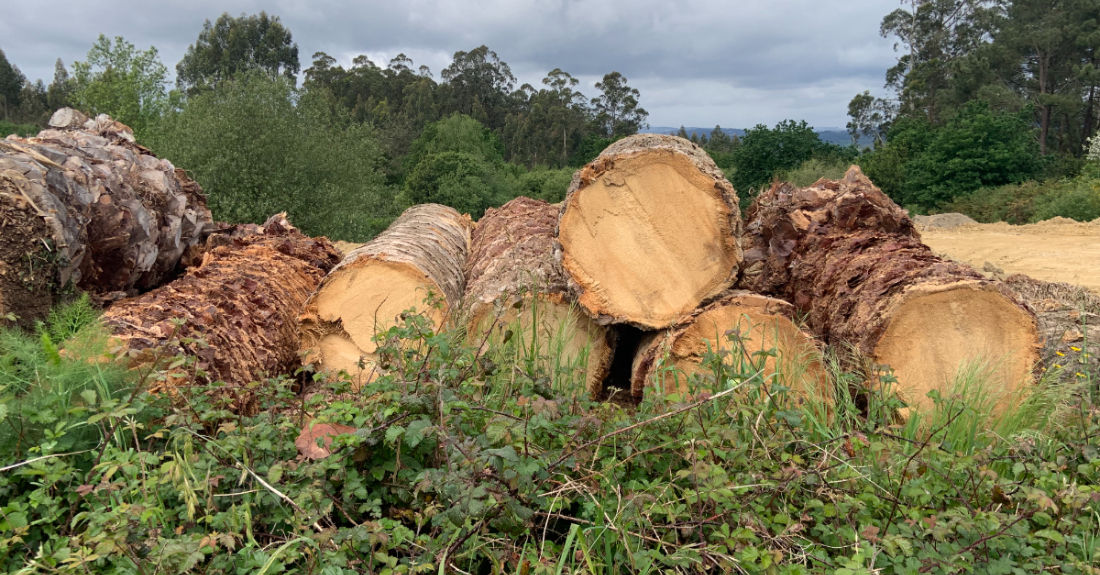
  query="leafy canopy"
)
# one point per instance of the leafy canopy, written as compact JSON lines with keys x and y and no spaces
{"x":121,"y":81}
{"x":978,"y":147}
{"x":233,"y":45}
{"x":258,"y":146}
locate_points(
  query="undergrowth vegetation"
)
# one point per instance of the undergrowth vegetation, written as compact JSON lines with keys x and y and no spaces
{"x":471,"y":458}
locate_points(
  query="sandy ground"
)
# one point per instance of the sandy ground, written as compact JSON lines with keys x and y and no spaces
{"x":1057,"y":250}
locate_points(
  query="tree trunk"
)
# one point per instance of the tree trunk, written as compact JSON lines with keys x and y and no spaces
{"x":243,"y":301}
{"x":740,"y":325}
{"x":842,"y":252}
{"x":105,"y":214}
{"x":648,"y":232}
{"x":420,"y":255}
{"x":513,"y":283}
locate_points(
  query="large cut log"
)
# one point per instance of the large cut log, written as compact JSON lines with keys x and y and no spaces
{"x":103,"y":213}
{"x":751,"y":332}
{"x":844,"y":253}
{"x":243,"y":301}
{"x":416,"y":264}
{"x":514,"y":284}
{"x":649,"y":230}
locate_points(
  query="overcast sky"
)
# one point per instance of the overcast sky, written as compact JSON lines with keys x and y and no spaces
{"x":696,"y":62}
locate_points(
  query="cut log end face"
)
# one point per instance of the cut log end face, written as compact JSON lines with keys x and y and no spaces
{"x":751,"y":333}
{"x":938,"y":335}
{"x":547,"y":326}
{"x":647,"y":237}
{"x":358,"y":302}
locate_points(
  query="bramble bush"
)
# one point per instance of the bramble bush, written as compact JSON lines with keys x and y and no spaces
{"x":490,"y":459}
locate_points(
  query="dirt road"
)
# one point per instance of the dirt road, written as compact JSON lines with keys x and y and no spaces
{"x":1057,"y":250}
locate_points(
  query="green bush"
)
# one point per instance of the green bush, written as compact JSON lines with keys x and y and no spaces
{"x":258,"y":147}
{"x":977,"y":148}
{"x":1013,"y":203}
{"x":813,"y":170}
{"x":8,"y":128}
{"x":546,"y":183}
{"x":1077,"y":200}
{"x":765,"y":153}
{"x":462,"y":181}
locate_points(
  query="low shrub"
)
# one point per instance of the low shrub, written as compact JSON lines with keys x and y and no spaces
{"x":480,"y":459}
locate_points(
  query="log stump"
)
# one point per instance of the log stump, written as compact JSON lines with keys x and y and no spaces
{"x":420,"y":255}
{"x":754,"y":332}
{"x":243,"y":301}
{"x":845,"y":254}
{"x":649,"y":230}
{"x":514,"y":284}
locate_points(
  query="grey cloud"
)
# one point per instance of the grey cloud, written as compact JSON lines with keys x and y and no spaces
{"x":696,"y":62}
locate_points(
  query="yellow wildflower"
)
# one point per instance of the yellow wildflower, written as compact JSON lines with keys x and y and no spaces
{"x":1060,"y":354}
{"x":1075,"y":348}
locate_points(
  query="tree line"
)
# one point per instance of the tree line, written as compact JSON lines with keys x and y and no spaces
{"x":985,"y":96}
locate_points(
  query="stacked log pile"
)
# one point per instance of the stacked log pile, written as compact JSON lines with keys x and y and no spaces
{"x":849,"y":257}
{"x":82,"y":204}
{"x":240,"y":306}
{"x":645,"y":265}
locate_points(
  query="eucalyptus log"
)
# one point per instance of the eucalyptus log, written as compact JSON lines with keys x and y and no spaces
{"x":842,"y":252}
{"x":750,"y":332}
{"x":242,"y":301}
{"x":416,"y":264}
{"x":84,"y":205}
{"x":649,"y":230}
{"x":514,"y":284}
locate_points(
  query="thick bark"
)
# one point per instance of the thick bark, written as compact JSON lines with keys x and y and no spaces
{"x":649,"y":231}
{"x":243,"y":301}
{"x":754,"y":332}
{"x":116,"y":219}
{"x":514,"y":283}
{"x":845,"y":254}
{"x":420,"y":255}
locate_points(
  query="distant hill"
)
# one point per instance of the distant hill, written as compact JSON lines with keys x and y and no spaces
{"x":833,"y":135}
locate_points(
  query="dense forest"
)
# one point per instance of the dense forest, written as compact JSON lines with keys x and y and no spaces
{"x":989,"y":111}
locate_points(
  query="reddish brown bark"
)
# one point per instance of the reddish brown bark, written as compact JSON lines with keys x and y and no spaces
{"x":514,"y":283}
{"x":845,"y":254}
{"x":242,"y":301}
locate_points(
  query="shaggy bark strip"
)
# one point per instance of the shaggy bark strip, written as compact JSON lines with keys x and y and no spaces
{"x":243,"y":300}
{"x":421,"y":253}
{"x":649,"y":230}
{"x":513,"y":283}
{"x":851,"y":258}
{"x":742,"y":325}
{"x":113,"y":218}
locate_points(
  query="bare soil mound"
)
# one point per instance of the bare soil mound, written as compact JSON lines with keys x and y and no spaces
{"x":1055,"y":250}
{"x":948,"y":220}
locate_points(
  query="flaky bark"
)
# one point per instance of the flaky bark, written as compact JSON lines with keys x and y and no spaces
{"x":116,"y":218}
{"x":747,"y":327}
{"x":421,"y":254}
{"x":649,"y":231}
{"x":844,"y":253}
{"x":243,"y":301}
{"x":514,"y":283}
